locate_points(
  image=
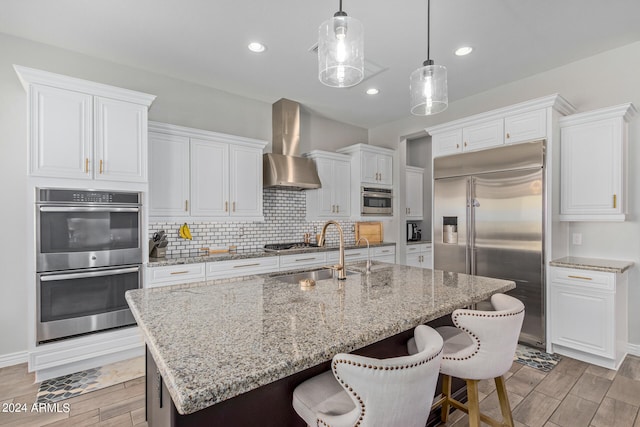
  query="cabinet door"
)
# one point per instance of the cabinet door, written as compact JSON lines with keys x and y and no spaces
{"x":525,"y":126}
{"x":414,"y":259}
{"x":61,"y":133}
{"x":447,"y":143}
{"x":246,"y":181}
{"x":369,"y":167}
{"x":341,"y":188}
{"x":168,"y":175}
{"x":427,"y":258}
{"x":323,"y":203}
{"x":209,"y":178}
{"x":121,"y":141}
{"x":385,"y":169}
{"x":592,"y":169}
{"x":583,"y":319}
{"x":484,"y":135}
{"x":414,"y":194}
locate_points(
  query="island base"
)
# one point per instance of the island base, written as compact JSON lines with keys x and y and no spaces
{"x":270,"y":405}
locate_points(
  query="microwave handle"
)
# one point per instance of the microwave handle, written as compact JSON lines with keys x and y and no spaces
{"x":85,"y":209}
{"x":55,"y":277}
{"x":385,"y":196}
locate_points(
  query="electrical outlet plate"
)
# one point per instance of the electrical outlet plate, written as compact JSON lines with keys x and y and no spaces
{"x":577,"y":239}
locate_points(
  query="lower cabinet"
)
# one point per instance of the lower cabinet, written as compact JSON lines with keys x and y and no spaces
{"x":302,"y":260}
{"x":384,"y":254}
{"x":419,"y":255}
{"x":588,"y":312}
{"x":241,"y":267}
{"x":175,"y":274}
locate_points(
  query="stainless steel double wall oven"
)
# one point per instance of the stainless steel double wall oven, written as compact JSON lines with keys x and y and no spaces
{"x":88,"y":254}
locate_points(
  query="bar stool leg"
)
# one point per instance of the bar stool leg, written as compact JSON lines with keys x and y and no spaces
{"x":446,"y":390}
{"x":473,"y":403}
{"x":505,"y":408}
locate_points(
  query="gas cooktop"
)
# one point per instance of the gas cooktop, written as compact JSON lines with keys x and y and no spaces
{"x":277,"y":247}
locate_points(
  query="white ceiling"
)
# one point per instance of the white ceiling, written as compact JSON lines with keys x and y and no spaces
{"x":204,"y":41}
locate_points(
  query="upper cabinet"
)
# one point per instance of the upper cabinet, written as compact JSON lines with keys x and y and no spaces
{"x":414,"y":193}
{"x":593,"y":164}
{"x":370,"y":164}
{"x":518,"y":123}
{"x":84,"y":130}
{"x":333,"y":199}
{"x":202,"y":174}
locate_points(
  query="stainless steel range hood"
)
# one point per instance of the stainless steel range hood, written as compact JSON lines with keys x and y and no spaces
{"x":283,"y":167}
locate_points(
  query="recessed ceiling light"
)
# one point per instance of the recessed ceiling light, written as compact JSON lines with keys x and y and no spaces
{"x":256,"y":47}
{"x":464,"y":50}
{"x":372,"y":91}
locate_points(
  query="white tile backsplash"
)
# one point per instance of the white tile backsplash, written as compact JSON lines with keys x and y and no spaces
{"x":284,"y":214}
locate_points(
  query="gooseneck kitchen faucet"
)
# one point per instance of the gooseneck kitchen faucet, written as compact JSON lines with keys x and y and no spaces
{"x":342,"y":273}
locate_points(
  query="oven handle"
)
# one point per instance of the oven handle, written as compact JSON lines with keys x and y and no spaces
{"x":54,"y":277}
{"x":85,"y":209}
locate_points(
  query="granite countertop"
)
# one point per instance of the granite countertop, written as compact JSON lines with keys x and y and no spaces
{"x":594,"y":264}
{"x":194,"y":257}
{"x":215,"y":340}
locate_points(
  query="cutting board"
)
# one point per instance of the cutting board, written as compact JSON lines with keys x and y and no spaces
{"x":371,"y":230}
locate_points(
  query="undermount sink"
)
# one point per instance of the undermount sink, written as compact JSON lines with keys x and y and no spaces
{"x":315,"y":275}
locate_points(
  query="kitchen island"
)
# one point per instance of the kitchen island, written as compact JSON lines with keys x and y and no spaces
{"x":216,"y":345}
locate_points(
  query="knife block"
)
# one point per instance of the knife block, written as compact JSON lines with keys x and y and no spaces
{"x":156,"y":252}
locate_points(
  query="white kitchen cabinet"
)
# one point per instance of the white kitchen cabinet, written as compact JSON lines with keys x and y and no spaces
{"x":204,"y":174}
{"x":350,"y":255}
{"x":302,"y":260}
{"x":419,"y":255}
{"x":370,"y":164}
{"x":384,"y":254}
{"x":483,"y":135}
{"x":517,"y":123}
{"x":242,"y":267}
{"x":85,"y":130}
{"x":588,"y":312}
{"x":443,"y":144}
{"x":593,"y":169}
{"x":333,"y":199}
{"x":526,"y":126}
{"x":414,"y":193}
{"x":175,"y":274}
{"x":168,"y":175}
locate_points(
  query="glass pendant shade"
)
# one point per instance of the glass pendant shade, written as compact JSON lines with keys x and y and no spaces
{"x":428,"y":87}
{"x":341,"y":51}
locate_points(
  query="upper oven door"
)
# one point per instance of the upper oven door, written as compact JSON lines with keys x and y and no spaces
{"x":72,"y":237}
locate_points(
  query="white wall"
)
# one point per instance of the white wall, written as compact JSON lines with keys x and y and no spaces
{"x":178,"y":102}
{"x":607,"y":79}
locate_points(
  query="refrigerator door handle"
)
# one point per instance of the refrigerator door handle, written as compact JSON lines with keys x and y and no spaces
{"x":471,"y":215}
{"x":469,"y":251}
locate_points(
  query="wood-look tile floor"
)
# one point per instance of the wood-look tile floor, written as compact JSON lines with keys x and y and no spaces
{"x":573,"y":394}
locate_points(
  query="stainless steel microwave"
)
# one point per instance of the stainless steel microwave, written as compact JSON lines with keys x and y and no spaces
{"x":376,"y":201}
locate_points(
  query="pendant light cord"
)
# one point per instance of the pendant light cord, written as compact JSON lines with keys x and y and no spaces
{"x":428,"y":28}
{"x":340,"y":5}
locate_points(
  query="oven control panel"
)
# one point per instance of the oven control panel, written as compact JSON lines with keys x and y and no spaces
{"x":56,"y":195}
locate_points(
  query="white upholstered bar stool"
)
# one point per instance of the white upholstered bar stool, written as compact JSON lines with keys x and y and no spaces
{"x":480,"y":347}
{"x":365,"y":392}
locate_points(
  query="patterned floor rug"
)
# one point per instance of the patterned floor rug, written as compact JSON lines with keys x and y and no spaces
{"x":536,"y":358}
{"x":71,"y":385}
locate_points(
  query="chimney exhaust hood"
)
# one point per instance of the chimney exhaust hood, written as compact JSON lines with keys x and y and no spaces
{"x":284,"y":167}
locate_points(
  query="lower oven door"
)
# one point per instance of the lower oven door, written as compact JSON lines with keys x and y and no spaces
{"x":81,"y":301}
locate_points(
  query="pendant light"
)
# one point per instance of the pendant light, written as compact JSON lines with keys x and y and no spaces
{"x":341,"y":51}
{"x":428,"y":84}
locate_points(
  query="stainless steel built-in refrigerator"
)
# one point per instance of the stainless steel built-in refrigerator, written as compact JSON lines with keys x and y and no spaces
{"x":488,"y":221}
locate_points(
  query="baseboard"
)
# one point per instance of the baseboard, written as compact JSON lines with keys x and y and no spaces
{"x":13,"y":358}
{"x":633,"y":349}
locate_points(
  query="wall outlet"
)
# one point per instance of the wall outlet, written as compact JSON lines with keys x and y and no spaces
{"x":577,"y":239}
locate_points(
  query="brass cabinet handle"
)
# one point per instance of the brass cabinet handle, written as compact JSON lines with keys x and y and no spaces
{"x":337,"y":208}
{"x":508,"y":136}
{"x":614,"y":201}
{"x":247,"y":265}
{"x":465,"y":143}
{"x":86,"y":164}
{"x":101,"y":166}
{"x":233,"y":206}
{"x":179,"y":272}
{"x":305,"y":259}
{"x":457,"y":145}
{"x":333,"y":208}
{"x":580,"y":277}
{"x":226,"y":206}
{"x":186,"y":206}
